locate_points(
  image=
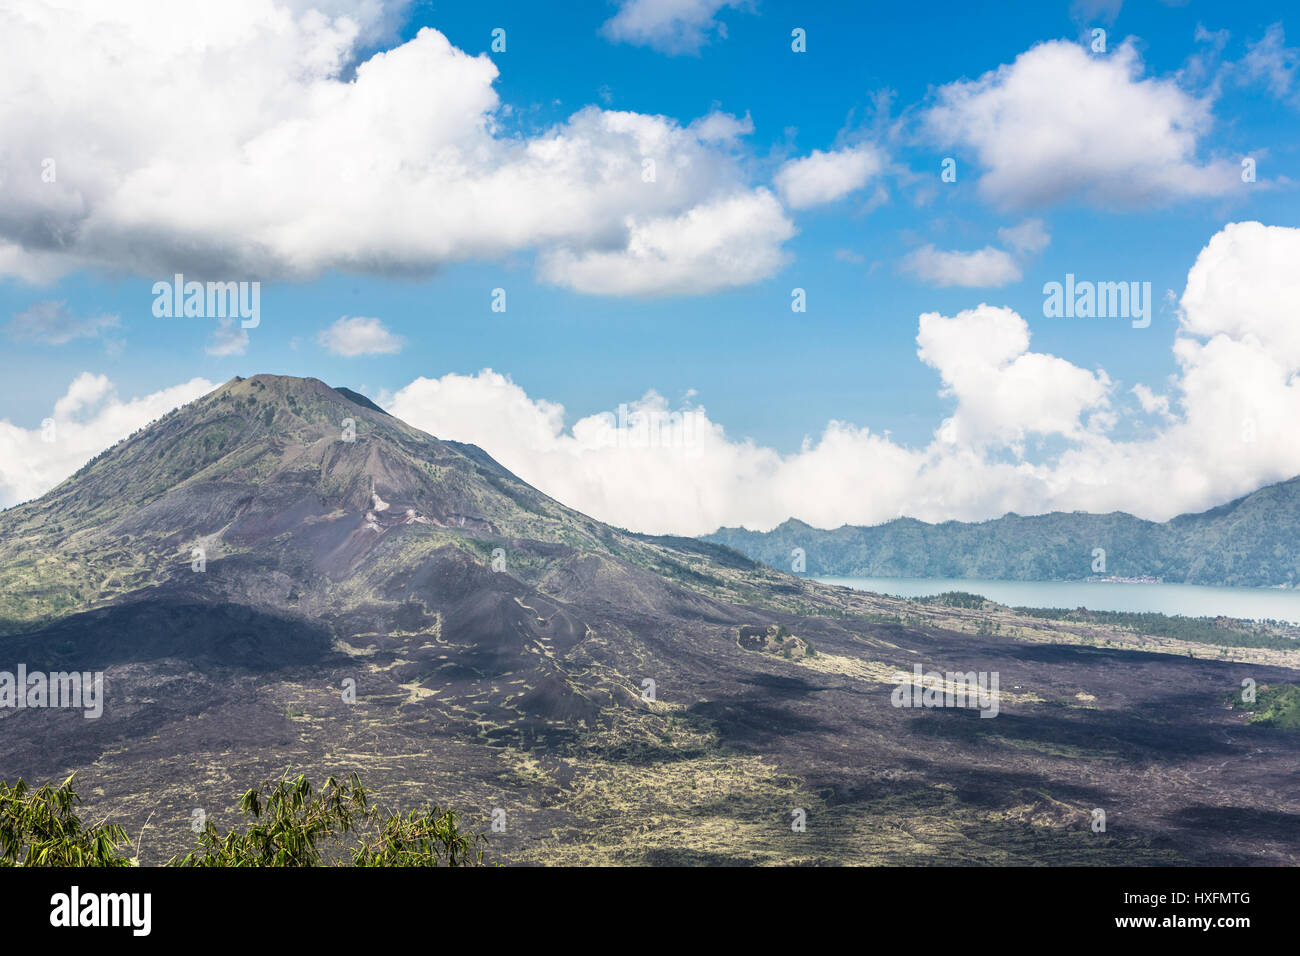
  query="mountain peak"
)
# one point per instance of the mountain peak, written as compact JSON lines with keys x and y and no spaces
{"x":265,"y":386}
{"x":279,"y":464}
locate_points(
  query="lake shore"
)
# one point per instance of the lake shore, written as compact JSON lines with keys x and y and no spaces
{"x":1189,"y":600}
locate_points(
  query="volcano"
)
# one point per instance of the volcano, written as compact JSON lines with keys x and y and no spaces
{"x":282,"y":576}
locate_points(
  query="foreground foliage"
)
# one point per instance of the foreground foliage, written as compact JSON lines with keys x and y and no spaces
{"x":291,"y":824}
{"x":41,"y":828}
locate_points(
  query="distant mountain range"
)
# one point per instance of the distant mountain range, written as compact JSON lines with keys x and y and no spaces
{"x":1253,"y":541}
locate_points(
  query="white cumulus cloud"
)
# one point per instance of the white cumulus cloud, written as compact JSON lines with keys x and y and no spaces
{"x":730,"y":242}
{"x":987,"y":267}
{"x":310,"y":155}
{"x":1060,"y":124}
{"x":359,"y":335}
{"x":669,"y":26}
{"x":825,"y":177}
{"x":1005,"y":392}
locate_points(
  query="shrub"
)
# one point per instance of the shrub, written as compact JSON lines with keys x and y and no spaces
{"x":41,"y":828}
{"x":291,"y":824}
{"x":294,"y":826}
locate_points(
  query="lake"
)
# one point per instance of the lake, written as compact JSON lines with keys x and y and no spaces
{"x":1191,"y":600}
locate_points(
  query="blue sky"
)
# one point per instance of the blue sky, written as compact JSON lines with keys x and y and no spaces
{"x":870,"y":79}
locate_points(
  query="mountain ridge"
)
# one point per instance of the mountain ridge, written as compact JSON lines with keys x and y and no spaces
{"x":1253,"y":540}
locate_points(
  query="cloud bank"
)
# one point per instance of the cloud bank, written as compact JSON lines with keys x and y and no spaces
{"x":1221,"y":427}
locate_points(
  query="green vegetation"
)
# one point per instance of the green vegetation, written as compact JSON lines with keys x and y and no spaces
{"x":291,"y":824}
{"x":681,"y":573}
{"x":955,"y":599}
{"x":1220,"y":631}
{"x":1276,"y":705}
{"x":41,"y":828}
